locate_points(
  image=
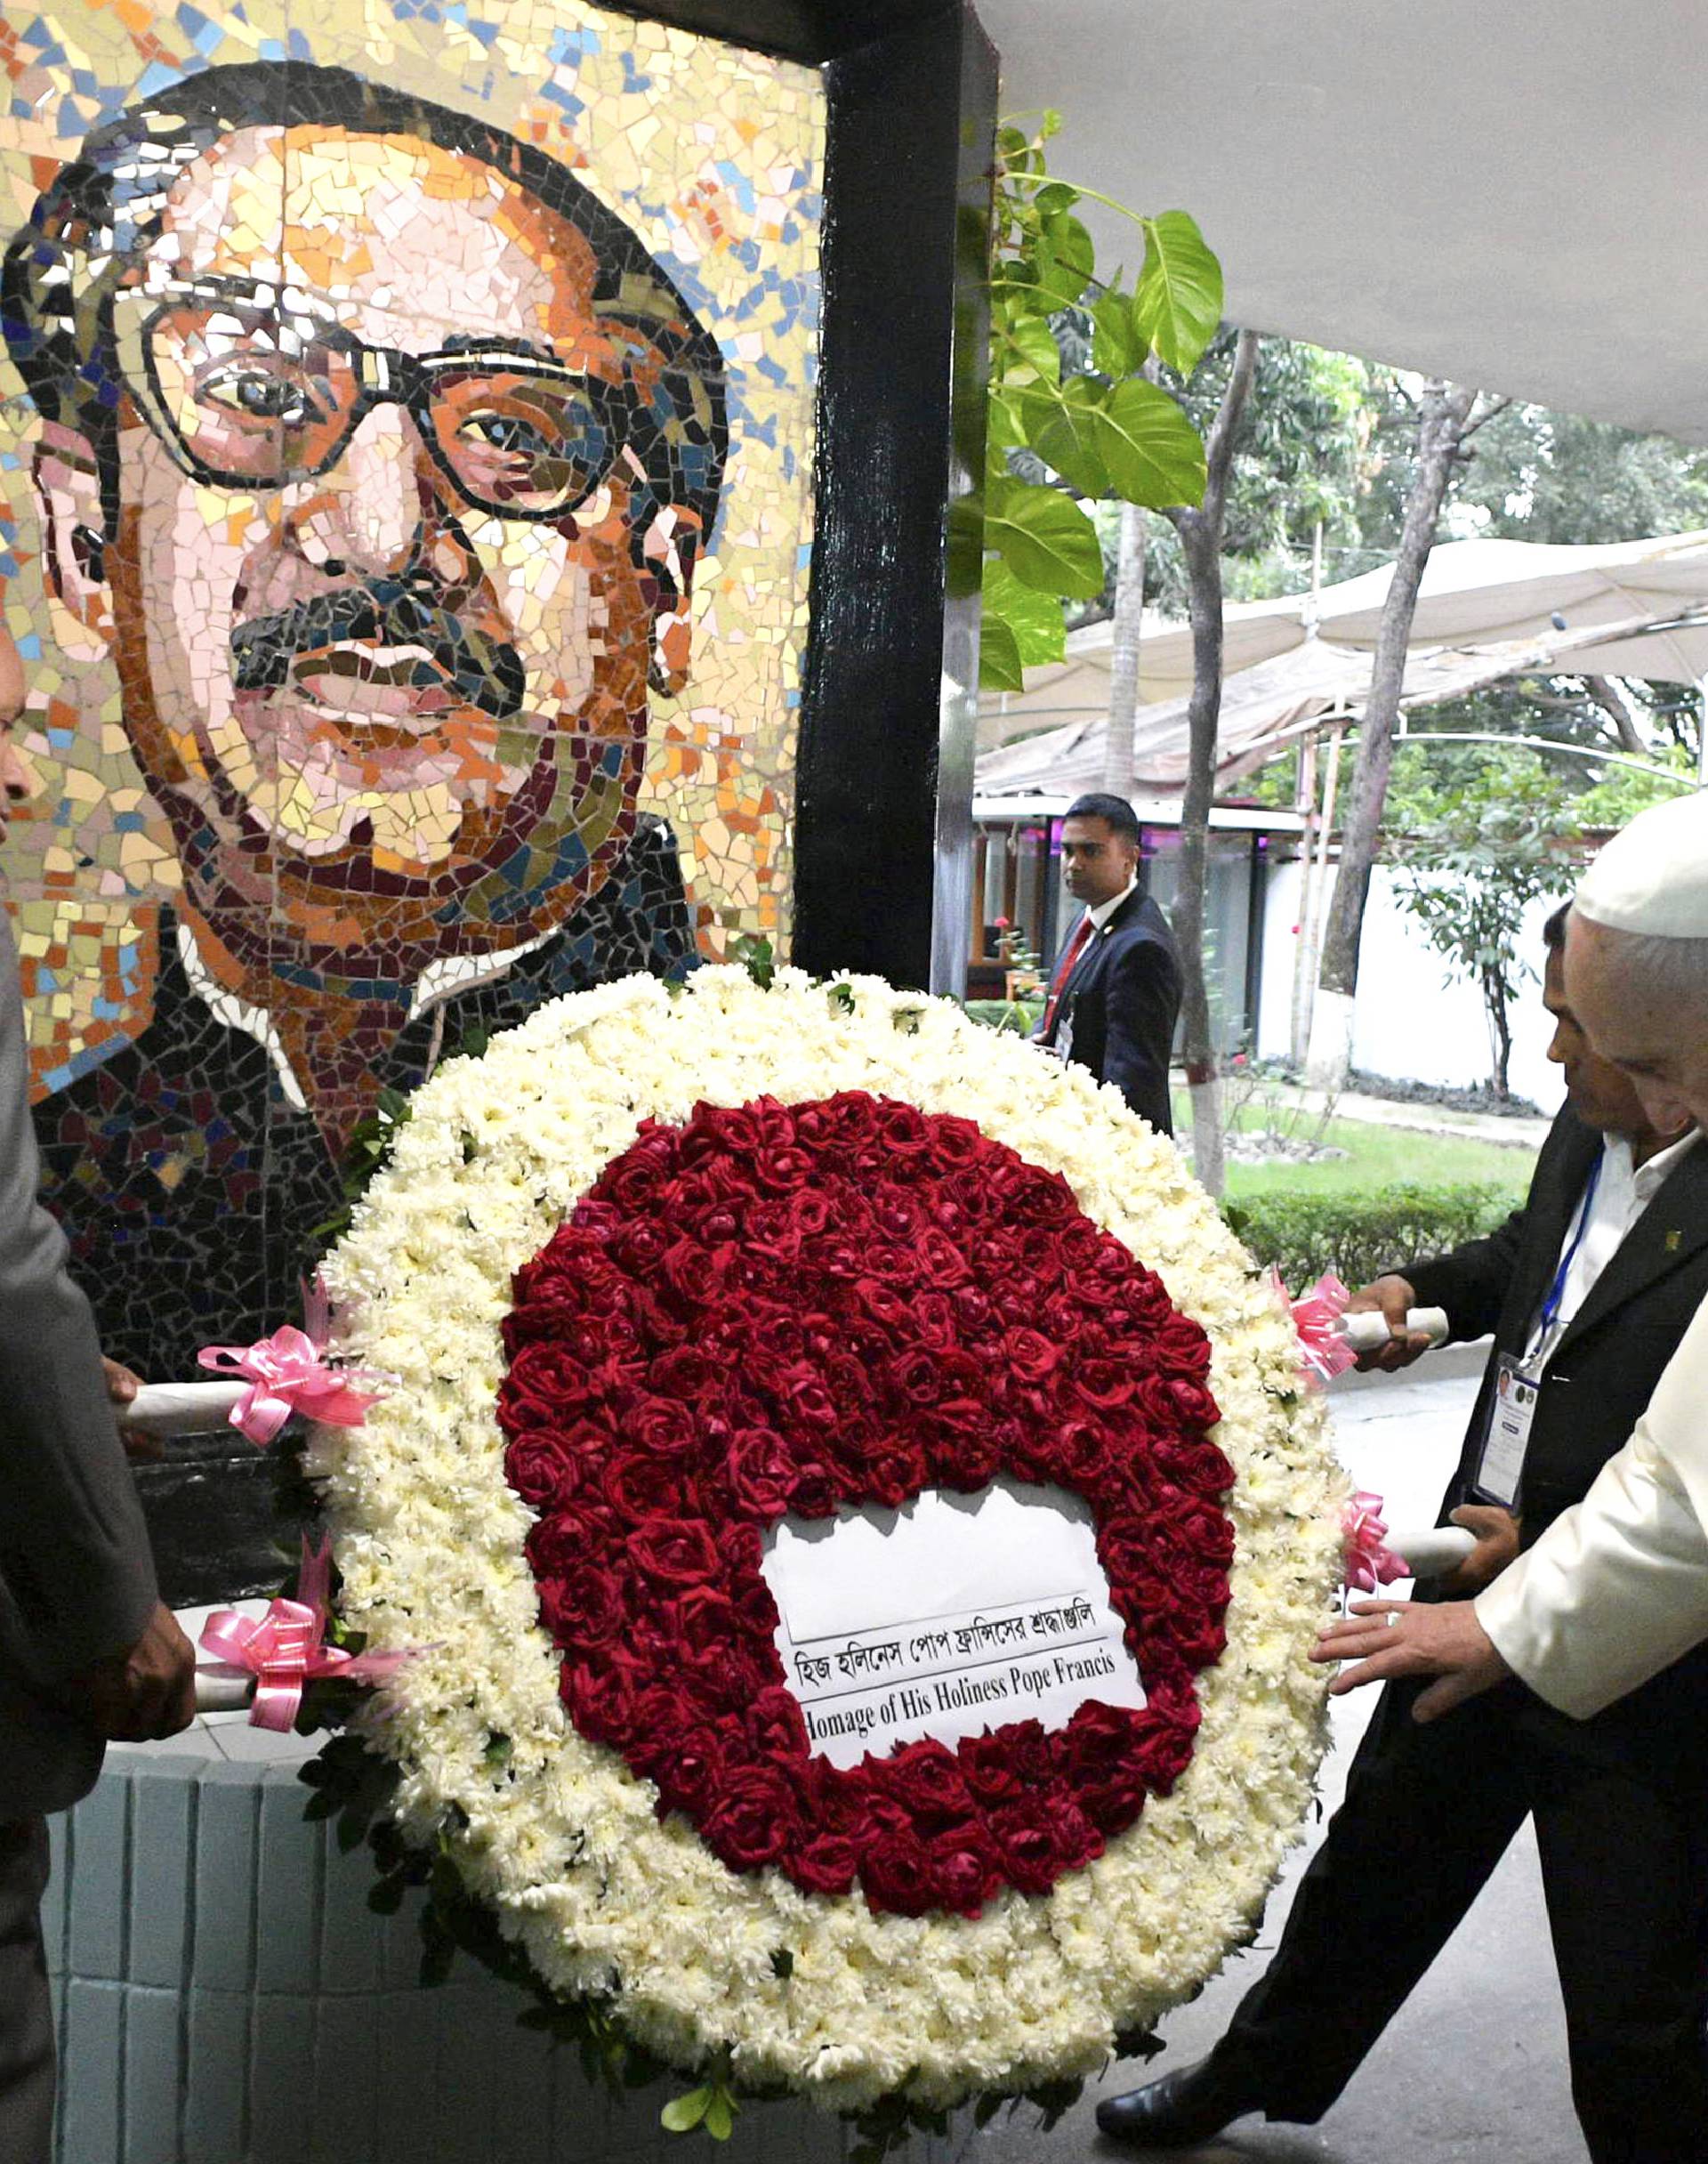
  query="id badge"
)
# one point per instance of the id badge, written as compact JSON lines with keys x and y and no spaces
{"x":1500,"y":1470}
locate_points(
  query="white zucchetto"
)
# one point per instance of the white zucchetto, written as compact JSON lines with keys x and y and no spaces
{"x":1651,"y":877}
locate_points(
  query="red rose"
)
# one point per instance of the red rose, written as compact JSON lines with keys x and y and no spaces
{"x":961,"y":1450}
{"x":640,"y":1487}
{"x":686,"y":1373}
{"x":691,"y":1775}
{"x":891,"y":1471}
{"x":711,"y":1623}
{"x":1101,"y":1383}
{"x":595,"y":1220}
{"x":600,"y":1699}
{"x":1113,"y":1801}
{"x":915,"y":1376}
{"x":942,"y":1263}
{"x":549,"y":1380}
{"x":1031,"y":1840}
{"x":963,"y":1868}
{"x":801,"y":1392}
{"x":754,"y":1819}
{"x":897,"y":1215}
{"x":583,"y":1607}
{"x":762,"y":1472}
{"x":895,"y":1870}
{"x":677,"y":1551}
{"x":776,"y":1726}
{"x":1191,"y":1527}
{"x":882,"y":1303}
{"x":662,"y":1425}
{"x":575,"y":1533}
{"x":928,"y":1782}
{"x":987,"y":1763}
{"x":1198,"y":1639}
{"x":825,"y":1863}
{"x":1181,"y":1347}
{"x":1099,"y":1739}
{"x":545,"y":1466}
{"x":782,"y":1167}
{"x":809,"y":1213}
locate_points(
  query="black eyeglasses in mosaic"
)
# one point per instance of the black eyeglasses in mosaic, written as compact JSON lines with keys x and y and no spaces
{"x":253,"y":393}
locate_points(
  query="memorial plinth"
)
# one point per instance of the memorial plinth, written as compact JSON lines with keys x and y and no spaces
{"x":226,"y":1996}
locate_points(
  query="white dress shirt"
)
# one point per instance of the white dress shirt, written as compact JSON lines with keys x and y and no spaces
{"x":1623,"y":1190}
{"x":1104,"y":910}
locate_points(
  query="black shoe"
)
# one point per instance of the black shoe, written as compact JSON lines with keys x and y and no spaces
{"x":1178,"y":2111}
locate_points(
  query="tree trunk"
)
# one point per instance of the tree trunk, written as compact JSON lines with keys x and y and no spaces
{"x":1499,"y":1029}
{"x":1124,"y":652}
{"x":1200,"y":533}
{"x":1441,"y":428}
{"x":1616,"y":704}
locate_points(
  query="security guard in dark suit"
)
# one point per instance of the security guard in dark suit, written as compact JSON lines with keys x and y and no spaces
{"x":1114,"y":995}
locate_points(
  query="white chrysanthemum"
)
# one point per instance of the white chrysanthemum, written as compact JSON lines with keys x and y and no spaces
{"x":561,"y":1837}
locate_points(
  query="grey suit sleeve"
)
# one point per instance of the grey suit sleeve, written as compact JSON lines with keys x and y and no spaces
{"x":75,"y":1566}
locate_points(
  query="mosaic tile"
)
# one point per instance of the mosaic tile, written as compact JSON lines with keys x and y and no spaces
{"x":405,"y":512}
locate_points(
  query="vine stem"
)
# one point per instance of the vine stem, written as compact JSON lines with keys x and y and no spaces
{"x":1055,"y":179}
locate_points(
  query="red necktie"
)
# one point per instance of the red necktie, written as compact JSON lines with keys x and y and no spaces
{"x":1075,"y":948}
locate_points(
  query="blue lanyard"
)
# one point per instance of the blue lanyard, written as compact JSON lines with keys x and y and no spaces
{"x":1557,"y":1290}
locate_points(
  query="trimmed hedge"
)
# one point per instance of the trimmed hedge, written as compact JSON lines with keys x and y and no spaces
{"x":1358,"y":1236}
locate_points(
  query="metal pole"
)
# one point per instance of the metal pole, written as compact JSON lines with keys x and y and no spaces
{"x":1701,"y":732}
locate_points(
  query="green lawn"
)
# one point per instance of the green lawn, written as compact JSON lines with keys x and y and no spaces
{"x":1378,"y":1157}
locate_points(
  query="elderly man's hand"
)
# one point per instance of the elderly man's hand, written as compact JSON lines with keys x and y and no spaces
{"x":122,"y":1386}
{"x":1393,"y":1638}
{"x":147,"y":1691}
{"x":1391,"y":1297}
{"x":1497,"y":1544}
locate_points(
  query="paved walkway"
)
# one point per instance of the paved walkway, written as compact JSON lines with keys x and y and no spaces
{"x":1515,"y":1131}
{"x":1472,"y":2070}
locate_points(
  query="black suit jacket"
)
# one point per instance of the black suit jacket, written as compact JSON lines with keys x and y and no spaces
{"x":1119,"y":1008}
{"x":193,"y":1192}
{"x":1603,"y":1371}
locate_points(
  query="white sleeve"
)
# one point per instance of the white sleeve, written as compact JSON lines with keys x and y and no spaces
{"x":1617,"y":1589}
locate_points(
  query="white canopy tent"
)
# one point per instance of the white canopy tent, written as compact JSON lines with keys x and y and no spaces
{"x":1487,"y":609}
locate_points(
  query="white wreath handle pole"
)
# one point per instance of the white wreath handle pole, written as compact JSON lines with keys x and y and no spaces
{"x":182,"y":1409}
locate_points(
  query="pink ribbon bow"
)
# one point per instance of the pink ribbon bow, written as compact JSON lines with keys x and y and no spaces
{"x":286,"y":1648}
{"x":1370,"y":1562}
{"x":288,"y":1373}
{"x":1316,"y":1316}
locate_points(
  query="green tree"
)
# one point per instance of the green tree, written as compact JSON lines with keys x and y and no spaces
{"x":1556,"y":477}
{"x":1470,"y":877}
{"x":1058,"y":439}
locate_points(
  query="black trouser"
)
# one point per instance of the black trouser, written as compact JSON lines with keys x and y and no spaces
{"x":26,"y":2012}
{"x":1429,"y":1812}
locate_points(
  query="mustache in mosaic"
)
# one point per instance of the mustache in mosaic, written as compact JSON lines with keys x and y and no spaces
{"x":482,"y":671}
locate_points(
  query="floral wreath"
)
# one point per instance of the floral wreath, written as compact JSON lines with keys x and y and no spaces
{"x":665,"y":1264}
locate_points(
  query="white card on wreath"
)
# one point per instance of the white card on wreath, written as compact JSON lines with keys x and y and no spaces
{"x":953,"y":1614}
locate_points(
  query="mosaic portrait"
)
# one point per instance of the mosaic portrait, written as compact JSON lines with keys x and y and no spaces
{"x":408,"y":463}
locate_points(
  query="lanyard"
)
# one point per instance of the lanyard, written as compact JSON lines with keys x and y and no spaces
{"x":1557,"y":1290}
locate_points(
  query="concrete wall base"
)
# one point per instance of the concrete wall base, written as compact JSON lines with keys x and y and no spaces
{"x":224,"y":1995}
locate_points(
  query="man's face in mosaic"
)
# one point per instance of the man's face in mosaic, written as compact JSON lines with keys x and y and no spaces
{"x":381,"y":615}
